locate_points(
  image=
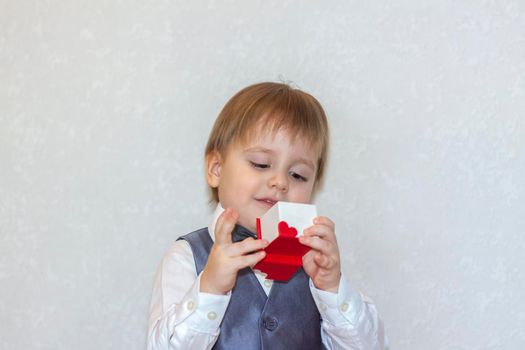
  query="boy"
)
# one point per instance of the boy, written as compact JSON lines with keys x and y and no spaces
{"x":268,"y":144}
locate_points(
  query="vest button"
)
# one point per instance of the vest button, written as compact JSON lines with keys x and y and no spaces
{"x":270,"y":323}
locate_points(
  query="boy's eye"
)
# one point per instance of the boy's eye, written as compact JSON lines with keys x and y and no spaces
{"x":259,"y":165}
{"x":297,"y":176}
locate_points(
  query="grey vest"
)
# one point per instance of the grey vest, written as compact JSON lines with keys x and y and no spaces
{"x":286,"y":319}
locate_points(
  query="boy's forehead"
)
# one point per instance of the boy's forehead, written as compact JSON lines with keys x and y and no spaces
{"x":258,"y":135}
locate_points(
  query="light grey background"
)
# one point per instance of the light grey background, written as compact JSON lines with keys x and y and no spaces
{"x":105,"y":107}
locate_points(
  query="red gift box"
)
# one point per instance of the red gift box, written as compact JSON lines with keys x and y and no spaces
{"x":281,"y":225}
{"x":284,"y":255}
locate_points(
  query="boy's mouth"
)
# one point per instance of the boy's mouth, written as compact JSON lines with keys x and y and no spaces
{"x":266,"y":202}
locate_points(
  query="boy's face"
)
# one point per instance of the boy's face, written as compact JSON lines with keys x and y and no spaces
{"x":251,"y":177}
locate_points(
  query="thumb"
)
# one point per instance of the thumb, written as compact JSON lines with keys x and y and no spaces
{"x":225,"y":225}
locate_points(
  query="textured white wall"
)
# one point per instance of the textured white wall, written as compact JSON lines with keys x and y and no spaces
{"x":105,"y":107}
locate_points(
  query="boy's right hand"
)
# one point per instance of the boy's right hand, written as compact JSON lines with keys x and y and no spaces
{"x":227,"y":258}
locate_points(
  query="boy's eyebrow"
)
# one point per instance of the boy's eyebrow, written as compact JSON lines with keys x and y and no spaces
{"x":304,"y":161}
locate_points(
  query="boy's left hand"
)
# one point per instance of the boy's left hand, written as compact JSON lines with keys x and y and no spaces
{"x":322,"y":262}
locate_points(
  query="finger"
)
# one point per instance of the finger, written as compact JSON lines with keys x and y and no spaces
{"x":219,"y":227}
{"x":309,"y":255}
{"x":250,"y":259}
{"x":224,"y":226}
{"x":322,"y":260}
{"x":247,"y":246}
{"x":319,"y":230}
{"x":323,"y":220}
{"x":317,"y":243}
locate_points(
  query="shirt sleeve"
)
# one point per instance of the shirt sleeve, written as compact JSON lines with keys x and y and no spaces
{"x":180,"y":316}
{"x":349,"y":319}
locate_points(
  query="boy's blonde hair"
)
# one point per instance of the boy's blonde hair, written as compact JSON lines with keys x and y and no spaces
{"x":270,"y":106}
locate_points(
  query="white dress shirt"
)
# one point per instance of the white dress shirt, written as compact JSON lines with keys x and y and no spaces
{"x":181,"y":317}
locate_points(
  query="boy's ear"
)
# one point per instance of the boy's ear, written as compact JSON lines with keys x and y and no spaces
{"x":213,"y":169}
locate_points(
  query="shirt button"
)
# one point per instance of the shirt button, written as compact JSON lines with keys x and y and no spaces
{"x":190,"y":305}
{"x":267,"y":283}
{"x":322,"y":306}
{"x":212,"y":315}
{"x":344,"y":307}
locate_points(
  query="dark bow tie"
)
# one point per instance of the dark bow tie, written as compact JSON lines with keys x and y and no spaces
{"x":240,"y":233}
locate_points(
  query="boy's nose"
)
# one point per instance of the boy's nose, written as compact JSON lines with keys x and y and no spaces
{"x":279,"y":182}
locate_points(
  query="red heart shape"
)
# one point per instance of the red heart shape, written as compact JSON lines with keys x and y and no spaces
{"x":285,"y":230}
